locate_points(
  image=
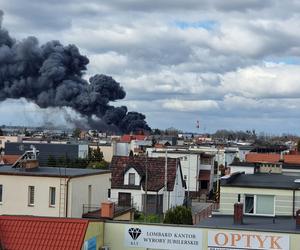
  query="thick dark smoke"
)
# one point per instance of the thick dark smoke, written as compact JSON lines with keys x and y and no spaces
{"x":50,"y":75}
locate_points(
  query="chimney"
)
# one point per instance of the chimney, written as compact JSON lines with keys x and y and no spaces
{"x":298,"y":219}
{"x":238,"y":212}
{"x":107,"y":209}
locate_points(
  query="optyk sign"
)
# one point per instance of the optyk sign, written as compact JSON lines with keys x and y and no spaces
{"x":230,"y":240}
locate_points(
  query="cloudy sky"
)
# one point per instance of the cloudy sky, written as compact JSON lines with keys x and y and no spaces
{"x":229,"y":64}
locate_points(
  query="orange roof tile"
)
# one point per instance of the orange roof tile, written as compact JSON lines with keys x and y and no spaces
{"x":292,"y":159}
{"x":129,"y":138}
{"x":9,"y":159}
{"x":259,"y":157}
{"x":26,"y":232}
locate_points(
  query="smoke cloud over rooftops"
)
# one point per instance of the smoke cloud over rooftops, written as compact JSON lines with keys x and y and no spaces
{"x":50,"y":75}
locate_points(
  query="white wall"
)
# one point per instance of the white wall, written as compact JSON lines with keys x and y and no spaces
{"x":78,"y":192}
{"x":190,"y":165}
{"x":122,"y":149}
{"x":107,"y":151}
{"x":178,"y":194}
{"x":15,"y":195}
{"x":136,"y":196}
{"x":247,"y":170}
{"x":137,"y":177}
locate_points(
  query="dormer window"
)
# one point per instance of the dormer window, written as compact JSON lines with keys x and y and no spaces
{"x":131,"y":179}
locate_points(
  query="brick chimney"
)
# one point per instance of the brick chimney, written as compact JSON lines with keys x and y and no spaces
{"x":107,"y":209}
{"x":298,"y":219}
{"x":238,"y":213}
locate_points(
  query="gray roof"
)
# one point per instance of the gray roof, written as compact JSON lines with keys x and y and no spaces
{"x":51,"y":171}
{"x":276,"y":181}
{"x":253,"y":223}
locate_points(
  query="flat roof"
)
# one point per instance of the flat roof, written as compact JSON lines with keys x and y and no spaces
{"x":252,"y":223}
{"x":51,"y":171}
{"x":261,"y":180}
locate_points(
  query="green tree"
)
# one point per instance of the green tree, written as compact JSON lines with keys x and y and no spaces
{"x":179,"y":215}
{"x":51,"y":161}
{"x":76,"y":132}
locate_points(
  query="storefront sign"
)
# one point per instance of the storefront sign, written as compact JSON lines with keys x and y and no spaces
{"x":160,"y":237}
{"x":231,"y":240}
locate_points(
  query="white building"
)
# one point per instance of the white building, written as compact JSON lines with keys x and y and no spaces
{"x":133,"y":177}
{"x":46,"y":191}
{"x":197,"y":167}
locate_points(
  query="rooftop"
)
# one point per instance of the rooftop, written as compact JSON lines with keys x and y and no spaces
{"x":253,"y":223}
{"x":155,"y":168}
{"x":51,"y":171}
{"x":261,"y":180}
{"x":27,"y":232}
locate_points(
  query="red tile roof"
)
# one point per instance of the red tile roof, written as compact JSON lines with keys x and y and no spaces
{"x":272,"y":158}
{"x":9,"y":159}
{"x":295,"y":159}
{"x":26,"y":232}
{"x":259,"y":157}
{"x":129,"y":138}
{"x":156,"y":171}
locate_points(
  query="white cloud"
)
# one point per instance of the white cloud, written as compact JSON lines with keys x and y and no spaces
{"x":190,"y":105}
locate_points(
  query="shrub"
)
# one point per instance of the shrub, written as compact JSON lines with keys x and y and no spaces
{"x":179,"y":215}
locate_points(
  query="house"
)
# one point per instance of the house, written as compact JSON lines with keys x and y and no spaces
{"x":28,"y":232}
{"x":27,"y":189}
{"x":262,"y":194}
{"x":141,"y":180}
{"x":197,"y":168}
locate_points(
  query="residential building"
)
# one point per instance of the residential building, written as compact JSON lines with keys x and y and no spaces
{"x":197,"y":168}
{"x":51,"y":191}
{"x":152,"y":185}
{"x":263,"y":194}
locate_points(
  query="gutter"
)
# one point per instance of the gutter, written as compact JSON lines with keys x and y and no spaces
{"x":294,"y":196}
{"x":67,"y":196}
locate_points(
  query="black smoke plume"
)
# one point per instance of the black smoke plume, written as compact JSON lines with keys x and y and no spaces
{"x":50,"y":75}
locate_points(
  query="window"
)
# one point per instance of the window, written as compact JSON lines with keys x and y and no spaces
{"x":30,"y":195}
{"x":1,"y":190}
{"x":131,"y":179}
{"x":124,"y":199}
{"x":109,"y":193}
{"x":204,"y":184}
{"x":259,"y":204}
{"x":52,"y":196}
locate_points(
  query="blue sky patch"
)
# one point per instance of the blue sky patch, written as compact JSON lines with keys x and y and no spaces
{"x":208,"y":25}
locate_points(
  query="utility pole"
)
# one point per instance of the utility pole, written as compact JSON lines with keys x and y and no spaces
{"x":166,"y":178}
{"x":146,"y":187}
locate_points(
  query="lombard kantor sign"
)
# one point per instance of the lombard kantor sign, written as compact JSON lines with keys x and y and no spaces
{"x":233,"y":240}
{"x":162,"y":237}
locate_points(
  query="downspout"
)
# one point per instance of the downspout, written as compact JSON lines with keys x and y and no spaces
{"x":294,"y":198}
{"x":67,"y":196}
